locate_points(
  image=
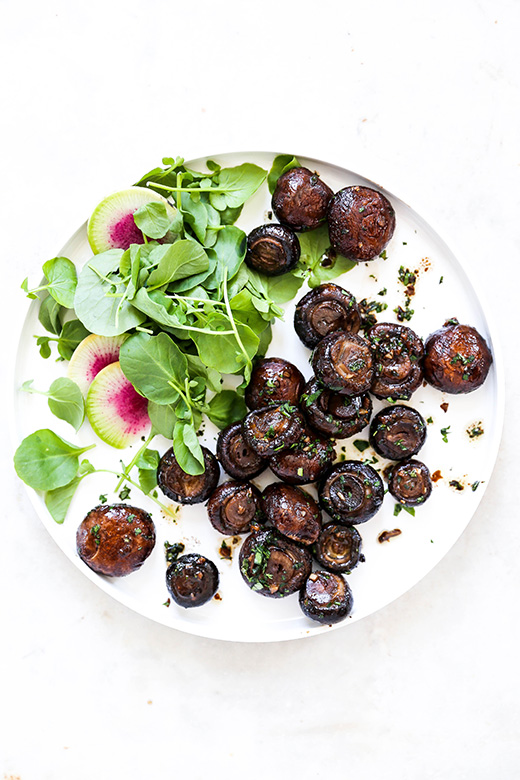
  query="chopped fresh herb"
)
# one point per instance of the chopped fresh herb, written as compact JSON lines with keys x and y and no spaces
{"x":124,"y":493}
{"x":300,"y":471}
{"x":102,"y":499}
{"x":95,"y":533}
{"x":444,"y":433}
{"x":361,"y":445}
{"x":429,"y":420}
{"x":475,"y":485}
{"x":441,"y":280}
{"x":383,"y":255}
{"x":454,"y":483}
{"x":397,"y":509}
{"x":383,"y":291}
{"x":410,"y":510}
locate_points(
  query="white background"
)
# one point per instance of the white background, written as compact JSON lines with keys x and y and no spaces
{"x":422,"y":98}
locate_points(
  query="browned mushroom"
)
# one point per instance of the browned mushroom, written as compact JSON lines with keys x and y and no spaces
{"x":361,"y":223}
{"x":300,"y":199}
{"x":115,"y":539}
{"x":272,"y":249}
{"x":273,"y":428}
{"x":324,"y":310}
{"x":272,"y":565}
{"x":410,"y":482}
{"x":397,"y":432}
{"x":457,"y":358}
{"x":305,"y":461}
{"x":343,"y":362}
{"x":274,"y":381}
{"x":352,"y":492}
{"x":234,"y":506}
{"x":334,"y":414}
{"x":236,"y":456}
{"x":185,"y":488}
{"x":338,"y":548}
{"x":326,"y":597}
{"x":192,"y":580}
{"x":398,"y":353}
{"x":293,"y":512}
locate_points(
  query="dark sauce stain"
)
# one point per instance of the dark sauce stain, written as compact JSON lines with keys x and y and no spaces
{"x":436,"y":476}
{"x":454,"y":483}
{"x":445,"y":407}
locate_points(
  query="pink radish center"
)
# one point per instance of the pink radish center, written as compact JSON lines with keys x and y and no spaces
{"x":99,"y":362}
{"x":130,"y":407}
{"x":125,"y":232}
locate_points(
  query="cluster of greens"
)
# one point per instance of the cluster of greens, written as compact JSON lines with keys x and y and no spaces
{"x":193,"y":312}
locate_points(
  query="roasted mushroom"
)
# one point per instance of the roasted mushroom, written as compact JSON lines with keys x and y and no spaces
{"x":334,"y":414}
{"x":272,"y":565}
{"x":293,"y":512}
{"x":115,"y":539}
{"x":236,"y":457}
{"x":410,"y":483}
{"x":326,"y":597}
{"x":273,"y":428}
{"x":457,"y":359}
{"x":305,"y":461}
{"x":397,"y":432}
{"x":338,"y":548}
{"x":185,"y":488}
{"x":192,"y":580}
{"x":343,"y":362}
{"x":300,"y":199}
{"x":272,"y":249}
{"x":398,"y":353}
{"x":324,"y":310}
{"x":234,"y":506}
{"x":351,"y":492}
{"x":361,"y":223}
{"x":274,"y":381}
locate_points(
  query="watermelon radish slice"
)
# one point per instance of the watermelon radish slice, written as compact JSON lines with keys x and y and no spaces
{"x":92,"y":355}
{"x":116,"y":411}
{"x":112,"y":226}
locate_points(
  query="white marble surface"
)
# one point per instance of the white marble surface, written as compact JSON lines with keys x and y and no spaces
{"x":421,"y":97}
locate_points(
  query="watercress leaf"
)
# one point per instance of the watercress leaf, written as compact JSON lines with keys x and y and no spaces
{"x":243,"y":306}
{"x":85,"y":467}
{"x":283,"y":288}
{"x":228,"y":216}
{"x":281,"y":163}
{"x":101,"y":314}
{"x":187,"y":449}
{"x":71,"y":336}
{"x":177,"y":261}
{"x":313,"y":245}
{"x":195,"y":214}
{"x":329,"y":268}
{"x":212,"y":378}
{"x":226,"y":407}
{"x":66,"y":402}
{"x":213,"y":166}
{"x":148,"y":459}
{"x":153,"y":219}
{"x":45,"y":461}
{"x":227,"y":357}
{"x":147,"y":480}
{"x":58,"y":500}
{"x":158,"y":307}
{"x":265,"y":340}
{"x":43,"y":343}
{"x":239,"y":183}
{"x":230,"y":251}
{"x":163,"y":418}
{"x":152,"y":363}
{"x":25,"y":287}
{"x":49,"y":315}
{"x":60,"y":273}
{"x":185,"y":285}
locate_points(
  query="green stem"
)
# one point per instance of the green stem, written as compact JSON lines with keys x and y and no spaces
{"x":230,"y":315}
{"x":134,"y":484}
{"x":199,"y":300}
{"x":135,"y":459}
{"x":193,"y":189}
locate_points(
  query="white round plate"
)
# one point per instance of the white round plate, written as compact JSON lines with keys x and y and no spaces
{"x":391,"y":568}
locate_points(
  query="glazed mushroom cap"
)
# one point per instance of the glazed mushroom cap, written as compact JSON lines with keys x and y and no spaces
{"x":398,"y":353}
{"x":192,"y":580}
{"x":338,"y":548}
{"x":272,"y":249}
{"x":361,"y":223}
{"x":185,"y":488}
{"x":300,"y":199}
{"x":334,"y":414}
{"x":410,"y":483}
{"x":272,"y":565}
{"x":236,"y":457}
{"x":326,"y":597}
{"x":293,"y":512}
{"x":324,"y":310}
{"x":343,"y":362}
{"x":305,"y":461}
{"x":274,"y":381}
{"x":234,"y":506}
{"x":352,"y":492}
{"x":397,"y":432}
{"x":273,"y":428}
{"x":115,"y":539}
{"x":457,"y":359}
